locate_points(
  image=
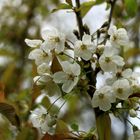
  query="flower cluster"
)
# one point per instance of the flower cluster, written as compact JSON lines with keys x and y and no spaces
{"x":56,"y":63}
{"x":41,"y":119}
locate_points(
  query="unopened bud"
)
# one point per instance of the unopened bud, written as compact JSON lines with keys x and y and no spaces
{"x":75,"y":32}
{"x":132,"y":113}
{"x":100,"y":48}
{"x":86,"y":29}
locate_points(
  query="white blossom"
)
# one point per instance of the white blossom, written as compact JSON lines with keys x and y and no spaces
{"x":122,"y":89}
{"x":69,"y":76}
{"x":118,"y":37}
{"x":43,"y":79}
{"x":103,"y":98}
{"x":33,"y":43}
{"x":132,"y":113}
{"x":39,"y":118}
{"x":53,"y":40}
{"x":84,"y":48}
{"x":40,"y":56}
{"x":109,"y":60}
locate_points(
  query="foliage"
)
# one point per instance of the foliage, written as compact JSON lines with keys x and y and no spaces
{"x":65,"y":72}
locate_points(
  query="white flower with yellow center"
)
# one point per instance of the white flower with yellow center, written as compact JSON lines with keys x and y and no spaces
{"x":109,"y":60}
{"x":40,"y":56}
{"x":33,"y":43}
{"x":69,"y":76}
{"x":84,"y":48}
{"x":39,"y":118}
{"x":54,"y":40}
{"x":118,"y":37}
{"x":103,"y":98}
{"x":42,"y":120}
{"x":122,"y":89}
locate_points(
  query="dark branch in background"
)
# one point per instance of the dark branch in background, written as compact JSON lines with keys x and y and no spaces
{"x":79,"y":19}
{"x":111,"y":12}
{"x":112,"y":3}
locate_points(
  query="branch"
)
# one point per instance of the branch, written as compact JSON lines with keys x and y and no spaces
{"x":111,"y":12}
{"x":112,"y":3}
{"x":79,"y":19}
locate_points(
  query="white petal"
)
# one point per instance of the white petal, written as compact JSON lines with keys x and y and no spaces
{"x":68,"y":86}
{"x":86,"y":39}
{"x":75,"y":68}
{"x":66,"y":66}
{"x":46,"y":33}
{"x":105,"y":106}
{"x":86,"y":55}
{"x":60,"y":77}
{"x":107,"y":67}
{"x":118,"y":60}
{"x":127,"y":73}
{"x":47,"y":46}
{"x":112,"y":30}
{"x":34,"y":53}
{"x":33,"y":43}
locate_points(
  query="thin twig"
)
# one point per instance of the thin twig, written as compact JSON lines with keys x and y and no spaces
{"x":79,"y":19}
{"x":112,"y":3}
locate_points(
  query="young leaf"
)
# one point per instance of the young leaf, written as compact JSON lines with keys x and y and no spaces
{"x":61,"y":127}
{"x":2,"y":98}
{"x":75,"y":127}
{"x":131,"y":7}
{"x":62,"y":6}
{"x":9,"y":112}
{"x":61,"y":136}
{"x":85,"y":7}
{"x":103,"y":124}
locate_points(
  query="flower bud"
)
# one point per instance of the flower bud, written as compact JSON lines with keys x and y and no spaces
{"x":132,"y":113}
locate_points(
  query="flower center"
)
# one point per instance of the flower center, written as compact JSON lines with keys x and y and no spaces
{"x":107,"y":59}
{"x":55,"y":39}
{"x":119,"y":74}
{"x":45,"y":54}
{"x":83,"y":47}
{"x":114,"y":38}
{"x":41,"y":118}
{"x":101,"y":96}
{"x":71,"y":77}
{"x":120,"y":90}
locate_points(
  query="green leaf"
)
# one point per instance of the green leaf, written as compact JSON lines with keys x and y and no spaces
{"x":131,"y":7}
{"x":62,"y":6}
{"x":99,"y":1}
{"x":27,"y":133}
{"x":103,"y":124}
{"x":75,"y":127}
{"x":9,"y":112}
{"x":61,"y":127}
{"x":85,"y":7}
{"x":46,"y":102}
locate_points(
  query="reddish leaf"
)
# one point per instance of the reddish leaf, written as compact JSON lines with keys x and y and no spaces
{"x":60,"y":136}
{"x":2,"y":98}
{"x":56,"y":66}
